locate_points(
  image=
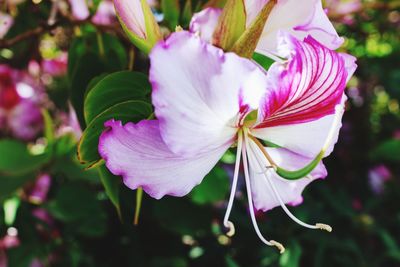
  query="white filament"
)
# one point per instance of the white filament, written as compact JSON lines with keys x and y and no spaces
{"x":278,"y":197}
{"x":250,"y":200}
{"x":228,"y":223}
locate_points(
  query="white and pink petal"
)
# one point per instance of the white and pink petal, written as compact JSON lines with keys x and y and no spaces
{"x":205,"y":22}
{"x":299,"y":18}
{"x":261,"y":178}
{"x":200,"y":93}
{"x":138,"y":153}
{"x":307,"y":138}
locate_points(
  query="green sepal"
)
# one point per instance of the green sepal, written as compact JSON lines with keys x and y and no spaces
{"x":247,"y":43}
{"x":231,"y":24}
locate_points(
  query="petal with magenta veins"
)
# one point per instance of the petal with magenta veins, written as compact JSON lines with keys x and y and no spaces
{"x":289,"y":190}
{"x":200,"y":93}
{"x":204,"y":23}
{"x":306,"y":88}
{"x":138,"y":153}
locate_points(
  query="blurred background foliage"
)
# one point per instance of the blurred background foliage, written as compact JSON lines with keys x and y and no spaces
{"x":57,"y":213}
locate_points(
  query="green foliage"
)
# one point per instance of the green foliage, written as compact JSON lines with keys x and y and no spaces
{"x":387,"y":151}
{"x":89,"y":56}
{"x":114,"y":89}
{"x":262,"y":60}
{"x":213,"y":188}
{"x":16,"y":159}
{"x":171,"y":10}
{"x":80,"y":209}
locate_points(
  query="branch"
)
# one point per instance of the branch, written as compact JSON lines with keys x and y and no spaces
{"x":6,"y":43}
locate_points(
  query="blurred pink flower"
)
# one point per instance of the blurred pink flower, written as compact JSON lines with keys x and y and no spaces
{"x":343,"y":10}
{"x":20,"y":114}
{"x":56,"y":66}
{"x":377,"y":177}
{"x":38,"y":193}
{"x":7,"y":242}
{"x":6,"y":21}
{"x":70,"y":123}
{"x":43,"y":215}
{"x":105,"y":14}
{"x":79,"y":9}
{"x":36,"y":263}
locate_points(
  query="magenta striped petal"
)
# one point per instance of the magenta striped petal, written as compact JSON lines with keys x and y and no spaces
{"x":305,"y":88}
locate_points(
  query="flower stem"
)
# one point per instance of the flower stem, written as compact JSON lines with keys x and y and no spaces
{"x":139,"y":197}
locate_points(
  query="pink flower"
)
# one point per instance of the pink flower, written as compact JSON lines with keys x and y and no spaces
{"x":202,"y":111}
{"x":377,"y":178}
{"x":343,"y":10}
{"x":6,"y":21}
{"x":105,"y":14}
{"x":19,"y":113}
{"x":8,"y":241}
{"x":299,"y":18}
{"x":56,"y":66}
{"x":38,"y":193}
{"x":79,"y":9}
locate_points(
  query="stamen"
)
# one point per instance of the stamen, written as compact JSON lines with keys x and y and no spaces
{"x":258,"y":143}
{"x":231,"y":227}
{"x":250,"y":200}
{"x":323,"y":226}
{"x":266,"y":169}
{"x":228,"y":224}
{"x":280,"y":247}
{"x":320,"y":226}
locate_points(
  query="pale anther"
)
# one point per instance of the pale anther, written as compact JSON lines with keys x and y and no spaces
{"x":231,"y":228}
{"x":323,"y":226}
{"x":280,"y":247}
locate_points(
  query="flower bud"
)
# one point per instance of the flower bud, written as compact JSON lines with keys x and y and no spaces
{"x":138,"y":22}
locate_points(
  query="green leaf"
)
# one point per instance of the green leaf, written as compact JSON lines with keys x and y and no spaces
{"x":291,"y":257}
{"x":16,"y":159}
{"x":113,"y":89}
{"x":187,"y":13}
{"x":388,"y":150}
{"x":111,"y":184}
{"x":248,"y":41}
{"x":214,"y":187}
{"x":87,"y":59}
{"x":171,"y":10}
{"x":131,"y":110}
{"x":48,"y":126}
{"x":79,"y":208}
{"x":9,"y":184}
{"x":168,"y":211}
{"x":262,"y":60}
